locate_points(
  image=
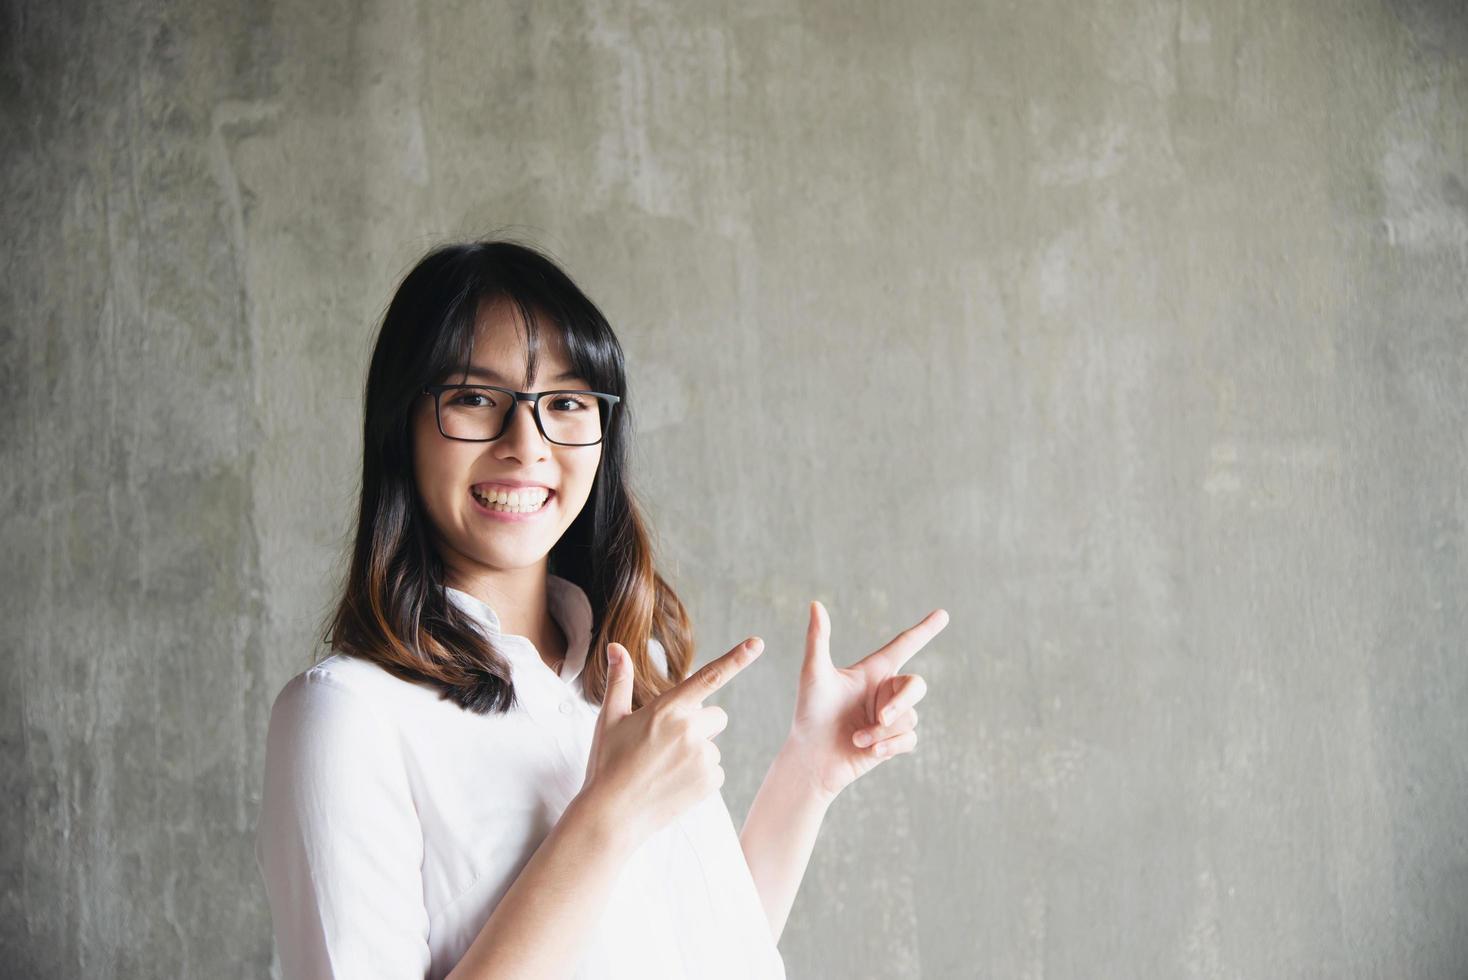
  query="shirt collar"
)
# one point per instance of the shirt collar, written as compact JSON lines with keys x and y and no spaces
{"x":569,"y":607}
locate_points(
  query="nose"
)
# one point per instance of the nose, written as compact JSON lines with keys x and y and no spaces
{"x":522,"y":439}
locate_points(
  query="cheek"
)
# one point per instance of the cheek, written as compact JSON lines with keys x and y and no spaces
{"x":436,"y":469}
{"x":581,"y":475}
{"x":586,"y":475}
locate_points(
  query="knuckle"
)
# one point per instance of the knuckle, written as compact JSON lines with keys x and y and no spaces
{"x":664,"y":717}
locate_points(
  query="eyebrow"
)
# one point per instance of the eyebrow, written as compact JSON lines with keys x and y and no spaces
{"x":494,"y":376}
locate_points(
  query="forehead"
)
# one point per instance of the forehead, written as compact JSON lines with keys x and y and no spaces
{"x":501,"y":350}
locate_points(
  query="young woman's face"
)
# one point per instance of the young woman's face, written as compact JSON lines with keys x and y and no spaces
{"x":457,"y":481}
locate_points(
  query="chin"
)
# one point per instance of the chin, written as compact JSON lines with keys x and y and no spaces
{"x":516,"y":558}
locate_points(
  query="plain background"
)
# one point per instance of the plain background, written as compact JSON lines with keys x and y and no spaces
{"x":1132,"y":333}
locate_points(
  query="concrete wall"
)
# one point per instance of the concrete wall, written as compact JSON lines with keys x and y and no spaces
{"x":1132,"y":333}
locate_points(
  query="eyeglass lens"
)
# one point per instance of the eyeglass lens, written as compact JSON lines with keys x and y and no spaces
{"x":479,"y":413}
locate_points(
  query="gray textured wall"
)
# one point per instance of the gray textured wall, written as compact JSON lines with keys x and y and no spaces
{"x":1132,"y":333}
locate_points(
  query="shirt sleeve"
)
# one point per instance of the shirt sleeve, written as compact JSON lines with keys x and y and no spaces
{"x":338,"y":842}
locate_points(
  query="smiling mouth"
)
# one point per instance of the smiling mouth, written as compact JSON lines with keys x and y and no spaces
{"x":527,"y":501}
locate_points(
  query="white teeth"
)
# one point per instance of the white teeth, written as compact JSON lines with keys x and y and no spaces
{"x":513,"y":501}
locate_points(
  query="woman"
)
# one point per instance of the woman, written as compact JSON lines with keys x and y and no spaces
{"x":505,"y":768}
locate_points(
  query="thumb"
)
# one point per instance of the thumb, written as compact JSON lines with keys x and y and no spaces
{"x":616,"y":701}
{"x":817,"y":641}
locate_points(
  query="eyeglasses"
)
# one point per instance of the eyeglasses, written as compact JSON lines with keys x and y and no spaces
{"x":481,"y":413}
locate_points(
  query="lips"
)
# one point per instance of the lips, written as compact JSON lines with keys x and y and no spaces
{"x":501,"y":499}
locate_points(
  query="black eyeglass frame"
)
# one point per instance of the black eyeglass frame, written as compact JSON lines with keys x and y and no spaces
{"x":533,"y":397}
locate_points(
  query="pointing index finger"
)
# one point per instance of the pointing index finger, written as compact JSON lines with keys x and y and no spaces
{"x":901,"y":648}
{"x":716,"y":673}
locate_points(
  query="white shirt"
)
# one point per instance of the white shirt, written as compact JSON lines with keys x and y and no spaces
{"x":393,"y":822}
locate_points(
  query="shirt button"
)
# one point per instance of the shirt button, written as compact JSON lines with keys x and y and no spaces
{"x":565,"y":707}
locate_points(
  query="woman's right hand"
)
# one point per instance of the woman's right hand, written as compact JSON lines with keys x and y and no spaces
{"x":649,"y":765}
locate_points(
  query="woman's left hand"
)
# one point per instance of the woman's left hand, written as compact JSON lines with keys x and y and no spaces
{"x":849,"y":719}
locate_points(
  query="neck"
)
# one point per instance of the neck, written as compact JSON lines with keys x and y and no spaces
{"x":518,"y":596}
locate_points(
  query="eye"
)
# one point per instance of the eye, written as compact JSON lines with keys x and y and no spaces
{"x":570,"y":403}
{"x":467,"y":396}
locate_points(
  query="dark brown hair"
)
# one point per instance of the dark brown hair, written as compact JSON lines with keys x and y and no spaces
{"x":393,"y":609}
